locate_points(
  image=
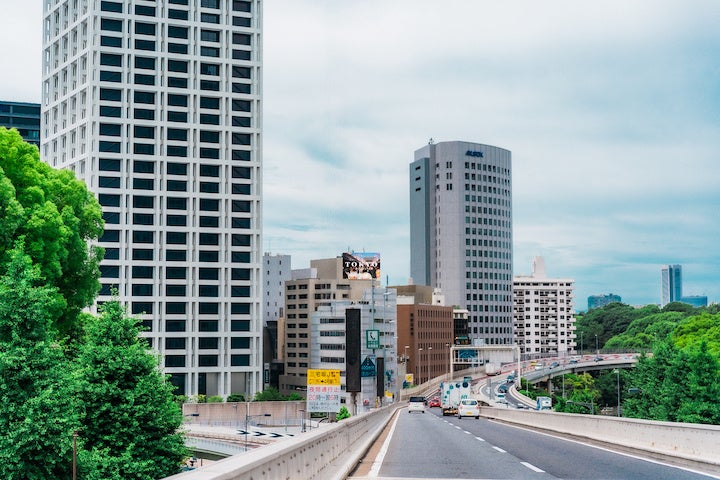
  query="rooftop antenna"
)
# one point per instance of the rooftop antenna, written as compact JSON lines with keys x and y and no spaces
{"x":431,"y":141}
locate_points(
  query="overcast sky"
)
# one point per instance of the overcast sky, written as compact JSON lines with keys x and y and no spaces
{"x":611,"y":111}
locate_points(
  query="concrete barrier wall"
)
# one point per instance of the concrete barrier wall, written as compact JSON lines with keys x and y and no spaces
{"x":682,"y":440}
{"x":327,"y":453}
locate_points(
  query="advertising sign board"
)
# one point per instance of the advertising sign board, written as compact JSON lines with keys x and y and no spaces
{"x":361,"y":266}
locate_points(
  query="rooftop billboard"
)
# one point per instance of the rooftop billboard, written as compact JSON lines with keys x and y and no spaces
{"x":361,"y":266}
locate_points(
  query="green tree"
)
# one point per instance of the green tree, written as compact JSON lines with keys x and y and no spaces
{"x":343,"y":413}
{"x":270,"y":394}
{"x":694,"y":330}
{"x":38,"y":412}
{"x":56,"y":216}
{"x":131,"y":422}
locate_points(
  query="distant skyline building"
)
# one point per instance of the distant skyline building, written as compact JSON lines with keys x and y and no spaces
{"x":695,"y":300}
{"x":157,"y":107}
{"x":544,"y":313}
{"x":671,"y":284}
{"x":597,"y":301}
{"x":461,"y":232}
{"x":24,"y":117}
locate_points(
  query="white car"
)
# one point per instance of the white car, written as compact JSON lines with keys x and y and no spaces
{"x":469,"y":407}
{"x":416,"y":404}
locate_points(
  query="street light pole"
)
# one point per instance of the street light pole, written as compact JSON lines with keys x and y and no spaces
{"x":447,"y":345}
{"x":247,"y":421}
{"x":617,"y":370}
{"x":597,"y":349}
{"x":419,"y":365}
{"x":429,"y":361}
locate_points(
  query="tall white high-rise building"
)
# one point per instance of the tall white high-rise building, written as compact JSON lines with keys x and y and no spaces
{"x":461,"y":232}
{"x":157,"y":106}
{"x":671,"y":288}
{"x":544,"y":313}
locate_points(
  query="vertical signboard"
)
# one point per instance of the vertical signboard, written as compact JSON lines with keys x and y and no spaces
{"x":323,"y":390}
{"x":353,"y":382}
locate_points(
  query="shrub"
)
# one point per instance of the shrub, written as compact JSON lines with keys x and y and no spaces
{"x":215,"y":399}
{"x":236,"y":397}
{"x":343,"y":413}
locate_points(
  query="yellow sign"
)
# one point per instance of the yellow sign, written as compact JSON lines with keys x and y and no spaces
{"x":323,"y":377}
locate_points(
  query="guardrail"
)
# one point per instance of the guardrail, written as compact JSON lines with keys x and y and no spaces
{"x":327,"y":453}
{"x":687,"y":441}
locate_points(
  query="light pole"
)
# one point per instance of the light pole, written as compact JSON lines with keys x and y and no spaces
{"x":429,"y":361}
{"x":597,"y":349}
{"x":447,"y":345}
{"x":407,"y":359}
{"x":617,"y":370}
{"x":247,"y":421}
{"x":302,"y":421}
{"x":74,"y":465}
{"x":419,"y":365}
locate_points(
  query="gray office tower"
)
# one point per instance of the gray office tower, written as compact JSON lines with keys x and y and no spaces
{"x":157,"y":106}
{"x":461,"y":232}
{"x":671,"y":276}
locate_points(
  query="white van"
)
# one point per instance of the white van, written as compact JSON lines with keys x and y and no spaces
{"x":416,"y":404}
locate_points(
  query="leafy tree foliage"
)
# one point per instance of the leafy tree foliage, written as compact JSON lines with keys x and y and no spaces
{"x":580,"y":394}
{"x":343,"y":413}
{"x":698,"y":329}
{"x":272,"y":394}
{"x":56,"y":216}
{"x":37,"y":408}
{"x":608,"y":321}
{"x":131,"y":421}
{"x":676,"y":385}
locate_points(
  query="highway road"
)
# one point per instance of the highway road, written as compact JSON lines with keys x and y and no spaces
{"x":432,"y":446}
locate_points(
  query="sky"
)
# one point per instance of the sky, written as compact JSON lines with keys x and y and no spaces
{"x":611,"y":111}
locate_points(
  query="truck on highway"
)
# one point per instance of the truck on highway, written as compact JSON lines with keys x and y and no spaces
{"x":450,"y":395}
{"x":492,"y":368}
{"x":544,"y":403}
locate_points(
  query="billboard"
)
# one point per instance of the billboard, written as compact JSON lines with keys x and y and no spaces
{"x":361,"y":266}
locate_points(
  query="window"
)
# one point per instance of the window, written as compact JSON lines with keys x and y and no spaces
{"x":175,"y":290}
{"x":144,"y":114}
{"x":208,"y":325}
{"x":209,"y":51}
{"x":109,"y":182}
{"x":239,"y":240}
{"x":111,"y":7}
{"x":142,"y":28}
{"x":176,"y":151}
{"x":177,"y":32}
{"x":175,"y":82}
{"x":143,"y":201}
{"x":175,"y":360}
{"x":177,"y":308}
{"x":241,"y":22}
{"x":176,"y":220}
{"x":176,"y":238}
{"x":177,"y":48}
{"x":241,"y":39}
{"x":177,"y":14}
{"x":148,"y":45}
{"x":209,"y":18}
{"x":208,"y":273}
{"x":106,"y":76}
{"x":241,"y":72}
{"x":210,"y":69}
{"x":240,"y":257}
{"x":177,"y":185}
{"x":175,"y":326}
{"x":208,"y":308}
{"x":109,"y":147}
{"x":176,"y":273}
{"x":210,"y":35}
{"x":143,"y":219}
{"x":174,"y":168}
{"x":142,"y":254}
{"x":176,"y":203}
{"x":241,"y":223}
{"x":111,"y":217}
{"x":177,"y":100}
{"x":111,"y":59}
{"x":110,"y":41}
{"x":144,"y":132}
{"x":207,"y":360}
{"x":141,"y":236}
{"x":209,"y":238}
{"x":213,"y":153}
{"x":112,"y":130}
{"x":241,"y":55}
{"x":240,"y":274}
{"x":241,"y":189}
{"x":177,"y":66}
{"x":112,"y":253}
{"x":241,"y":206}
{"x":208,"y":343}
{"x":175,"y":255}
{"x":210,"y":85}
{"x":239,"y":342}
{"x":109,"y":271}
{"x":209,"y":222}
{"x":110,"y":236}
{"x":141,"y":271}
{"x":209,"y":205}
{"x":241,"y":106}
{"x":111,"y":25}
{"x":144,"y":10}
{"x":141,"y":79}
{"x":177,"y":134}
{"x":239,"y":325}
{"x":210,"y":102}
{"x":111,"y":94}
{"x":241,"y":6}
{"x":241,"y":139}
{"x":145,"y":63}
{"x":143,"y":149}
{"x":143,"y":166}
{"x":210,"y":3}
{"x":208,"y":119}
{"x":208,"y":256}
{"x":108,"y":200}
{"x":241,"y":172}
{"x":142,"y":307}
{"x":144,"y":97}
{"x":209,"y":170}
{"x":208,"y":290}
{"x":179,"y":117}
{"x":209,"y":187}
{"x":175,"y":343}
{"x":242,"y":155}
{"x":142,"y":290}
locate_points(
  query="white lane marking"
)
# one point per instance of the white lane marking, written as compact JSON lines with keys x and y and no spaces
{"x":499,"y":449}
{"x":375,"y":470}
{"x":467,"y":432}
{"x":532,"y":467}
{"x":481,"y":439}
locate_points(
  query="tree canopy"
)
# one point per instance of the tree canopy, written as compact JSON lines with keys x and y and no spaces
{"x":57,"y":217}
{"x":130,"y":423}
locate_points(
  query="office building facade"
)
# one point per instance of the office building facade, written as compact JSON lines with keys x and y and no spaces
{"x":461,"y":232}
{"x":671,"y":284}
{"x":597,"y":301}
{"x":157,"y":106}
{"x":544,"y":313}
{"x":24,"y":117}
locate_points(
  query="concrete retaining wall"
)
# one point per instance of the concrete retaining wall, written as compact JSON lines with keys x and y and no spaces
{"x":327,"y":453}
{"x":687,"y":441}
